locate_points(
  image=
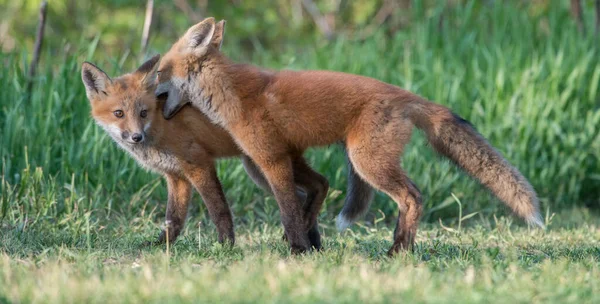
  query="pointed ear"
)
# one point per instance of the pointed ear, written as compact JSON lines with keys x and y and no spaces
{"x":95,"y":80}
{"x":217,"y":39}
{"x":148,"y":71}
{"x":200,"y":35}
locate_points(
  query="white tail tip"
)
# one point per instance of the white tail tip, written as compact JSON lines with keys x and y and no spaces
{"x":342,"y":223}
{"x":536,"y":220}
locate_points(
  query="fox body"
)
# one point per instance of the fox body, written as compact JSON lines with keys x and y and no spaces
{"x":274,"y":115}
{"x":183,"y":149}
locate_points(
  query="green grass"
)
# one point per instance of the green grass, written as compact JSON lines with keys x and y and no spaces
{"x":74,"y":209}
{"x":492,"y":262}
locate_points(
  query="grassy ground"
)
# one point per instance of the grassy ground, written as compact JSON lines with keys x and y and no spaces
{"x":492,"y":262}
{"x":75,"y":210}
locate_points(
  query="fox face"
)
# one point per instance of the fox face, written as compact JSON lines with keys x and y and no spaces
{"x":125,"y":106}
{"x":176,"y":72}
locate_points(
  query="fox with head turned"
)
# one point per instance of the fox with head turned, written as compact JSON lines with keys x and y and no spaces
{"x":275,"y":115}
{"x":183,"y":150}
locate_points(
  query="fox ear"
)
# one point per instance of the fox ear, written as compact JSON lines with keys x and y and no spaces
{"x":217,"y":38}
{"x":200,"y":35}
{"x":95,"y":80}
{"x":148,"y":71}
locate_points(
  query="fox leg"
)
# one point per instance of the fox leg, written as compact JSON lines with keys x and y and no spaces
{"x":280,"y":175}
{"x":207,"y":183}
{"x":180,"y":193}
{"x":408,"y":219}
{"x":259,"y":179}
{"x":389,"y":178}
{"x":311,"y":188}
{"x":316,"y":187}
{"x":374,"y":148}
{"x":255,"y":174}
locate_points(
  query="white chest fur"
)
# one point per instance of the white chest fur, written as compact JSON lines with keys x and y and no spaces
{"x":151,"y":158}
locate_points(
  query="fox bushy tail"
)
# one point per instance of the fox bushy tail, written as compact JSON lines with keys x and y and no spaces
{"x":359,"y":197}
{"x":456,"y":139}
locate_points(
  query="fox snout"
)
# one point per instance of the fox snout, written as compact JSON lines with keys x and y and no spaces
{"x":161,"y":94}
{"x":162,"y":90}
{"x":173,"y":97}
{"x":137,"y":137}
{"x":133,"y":138}
{"x":169,"y":112}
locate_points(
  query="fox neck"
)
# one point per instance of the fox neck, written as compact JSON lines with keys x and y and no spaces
{"x":221,"y":88}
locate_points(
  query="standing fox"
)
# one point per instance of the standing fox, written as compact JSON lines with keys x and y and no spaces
{"x":275,"y":116}
{"x":183,"y":149}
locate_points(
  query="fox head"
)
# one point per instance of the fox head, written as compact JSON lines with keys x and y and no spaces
{"x":125,"y":106}
{"x":184,"y":59}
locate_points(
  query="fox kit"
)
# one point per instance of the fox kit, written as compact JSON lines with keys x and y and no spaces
{"x":274,"y":116}
{"x":183,"y":149}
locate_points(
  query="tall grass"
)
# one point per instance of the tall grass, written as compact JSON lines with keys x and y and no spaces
{"x":529,"y":83}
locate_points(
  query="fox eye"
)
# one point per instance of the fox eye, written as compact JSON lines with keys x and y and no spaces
{"x":144,"y":113}
{"x":118,"y":113}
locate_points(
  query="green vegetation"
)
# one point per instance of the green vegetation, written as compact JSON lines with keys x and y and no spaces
{"x":480,"y":264}
{"x":75,"y":210}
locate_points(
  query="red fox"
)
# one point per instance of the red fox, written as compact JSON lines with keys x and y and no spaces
{"x":183,"y":149}
{"x":274,"y":116}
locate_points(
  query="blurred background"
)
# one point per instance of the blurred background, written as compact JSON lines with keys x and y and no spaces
{"x":525,"y":73}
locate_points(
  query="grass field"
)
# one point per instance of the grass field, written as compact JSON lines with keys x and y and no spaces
{"x":75,"y":210}
{"x":492,"y":262}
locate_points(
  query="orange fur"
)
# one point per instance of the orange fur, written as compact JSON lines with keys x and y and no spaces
{"x":183,"y":149}
{"x":275,"y":115}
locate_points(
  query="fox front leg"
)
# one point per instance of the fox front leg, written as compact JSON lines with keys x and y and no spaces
{"x":207,"y":183}
{"x":305,"y":190}
{"x":280,"y":175}
{"x":180,"y":192}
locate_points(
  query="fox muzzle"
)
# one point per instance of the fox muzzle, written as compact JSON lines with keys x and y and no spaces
{"x":133,"y":138}
{"x":137,"y":137}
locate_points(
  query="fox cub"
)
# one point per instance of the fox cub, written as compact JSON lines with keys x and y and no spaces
{"x":183,"y":149}
{"x":274,"y":116}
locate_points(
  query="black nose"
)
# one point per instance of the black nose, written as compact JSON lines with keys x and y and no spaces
{"x":137,"y":137}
